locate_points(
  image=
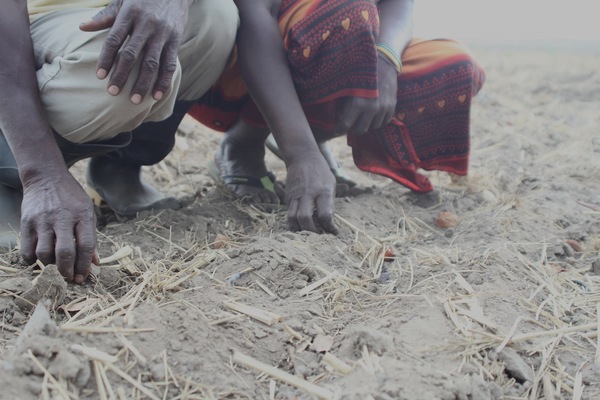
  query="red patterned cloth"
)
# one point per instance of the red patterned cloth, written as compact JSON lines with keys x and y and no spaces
{"x":331,"y":53}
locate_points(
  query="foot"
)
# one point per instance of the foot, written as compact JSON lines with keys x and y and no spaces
{"x":240,"y":164}
{"x":121,"y":187}
{"x":10,"y":216}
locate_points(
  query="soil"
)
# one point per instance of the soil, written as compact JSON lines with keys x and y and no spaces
{"x":502,"y":303}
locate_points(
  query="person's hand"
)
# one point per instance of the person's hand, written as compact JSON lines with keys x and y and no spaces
{"x":58,"y":225}
{"x":361,"y":115}
{"x":310,"y":191}
{"x":150,"y":30}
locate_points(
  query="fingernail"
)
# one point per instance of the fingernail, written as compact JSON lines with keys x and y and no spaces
{"x":136,"y":99}
{"x":158,"y":95}
{"x":101,"y":73}
{"x":79,"y":279}
{"x":113,"y":90}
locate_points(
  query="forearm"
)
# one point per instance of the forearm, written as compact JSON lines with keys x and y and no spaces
{"x":22,"y":118}
{"x":269,"y":80}
{"x":396,"y":23}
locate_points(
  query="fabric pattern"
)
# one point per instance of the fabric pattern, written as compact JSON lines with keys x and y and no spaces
{"x":331,"y":52}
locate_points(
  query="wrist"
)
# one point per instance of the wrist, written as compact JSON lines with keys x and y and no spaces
{"x":386,"y":53}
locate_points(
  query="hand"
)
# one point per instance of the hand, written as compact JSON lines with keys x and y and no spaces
{"x":361,"y":115}
{"x":58,"y":226}
{"x":150,"y":30}
{"x":310,"y":190}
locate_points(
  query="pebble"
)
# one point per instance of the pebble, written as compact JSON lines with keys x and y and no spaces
{"x":50,"y":285}
{"x":16,"y":285}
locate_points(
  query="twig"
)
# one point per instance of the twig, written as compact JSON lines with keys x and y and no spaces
{"x":283,"y":376}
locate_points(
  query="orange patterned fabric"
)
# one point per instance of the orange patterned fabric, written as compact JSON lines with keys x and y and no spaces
{"x":331,"y":53}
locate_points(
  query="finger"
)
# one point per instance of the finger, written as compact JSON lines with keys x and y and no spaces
{"x":148,"y":71}
{"x":325,"y":212}
{"x":125,"y":62}
{"x":168,"y":66}
{"x":85,"y":234}
{"x":65,"y":252}
{"x":96,"y":257}
{"x":377,"y":122}
{"x":388,"y":118}
{"x":102,"y":20}
{"x":306,"y":210}
{"x":28,"y":241}
{"x":45,"y":246}
{"x":112,"y":44}
{"x":363,"y":123}
{"x":348,"y":117}
{"x":292,"y":215}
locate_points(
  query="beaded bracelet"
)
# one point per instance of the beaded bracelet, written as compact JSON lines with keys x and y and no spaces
{"x":390,"y":55}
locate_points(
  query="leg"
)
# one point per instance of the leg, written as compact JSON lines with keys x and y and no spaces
{"x":207,"y":44}
{"x":11,"y":196}
{"x":241,"y":165}
{"x":129,"y":194}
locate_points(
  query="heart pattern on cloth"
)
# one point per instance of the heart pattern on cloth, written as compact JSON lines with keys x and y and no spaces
{"x":306,"y":51}
{"x":365,"y":14}
{"x":346,"y":23}
{"x":401,"y":116}
{"x":441,"y":103}
{"x":421,"y":109}
{"x":462,"y":98}
{"x":326,"y":35}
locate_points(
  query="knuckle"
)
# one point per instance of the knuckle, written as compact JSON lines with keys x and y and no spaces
{"x":170,"y":66}
{"x":129,"y":54}
{"x":113,"y":41}
{"x":65,"y":254}
{"x":150,"y":64}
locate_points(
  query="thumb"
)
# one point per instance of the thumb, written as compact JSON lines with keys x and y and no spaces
{"x":104,"y":19}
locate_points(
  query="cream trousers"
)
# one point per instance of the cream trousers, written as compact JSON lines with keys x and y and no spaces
{"x":77,"y":103}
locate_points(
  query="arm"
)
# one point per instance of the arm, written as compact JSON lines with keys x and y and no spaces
{"x":55,"y":209}
{"x":396,"y":28}
{"x":310,"y":183}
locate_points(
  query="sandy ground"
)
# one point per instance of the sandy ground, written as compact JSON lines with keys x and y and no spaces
{"x":219,"y":301}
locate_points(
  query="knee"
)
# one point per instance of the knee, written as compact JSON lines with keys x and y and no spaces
{"x":217,"y":23}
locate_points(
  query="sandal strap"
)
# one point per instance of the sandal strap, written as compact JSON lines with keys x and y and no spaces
{"x":265,"y":182}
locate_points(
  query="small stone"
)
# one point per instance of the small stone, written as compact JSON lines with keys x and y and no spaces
{"x":18,"y":318}
{"x":176,"y":345}
{"x":16,"y":285}
{"x":50,"y":285}
{"x":575,"y":245}
{"x":568,"y":250}
{"x":158,"y":373}
{"x":446,"y":219}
